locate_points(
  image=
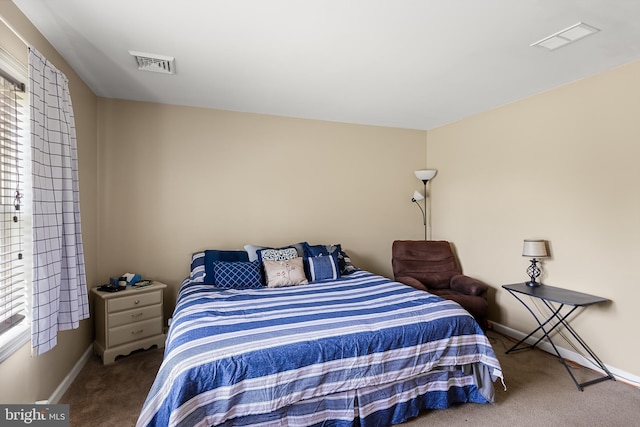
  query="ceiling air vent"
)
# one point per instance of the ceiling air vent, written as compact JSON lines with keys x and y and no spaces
{"x":566,"y":36}
{"x":155,"y":63}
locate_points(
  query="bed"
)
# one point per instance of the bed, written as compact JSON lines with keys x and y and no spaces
{"x":353,"y":350}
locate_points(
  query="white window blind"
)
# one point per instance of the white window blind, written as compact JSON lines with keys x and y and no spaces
{"x":13,"y":295}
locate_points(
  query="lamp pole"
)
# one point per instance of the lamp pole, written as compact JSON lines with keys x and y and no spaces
{"x":424,"y":175}
{"x":416,"y":199}
{"x":426,"y":236}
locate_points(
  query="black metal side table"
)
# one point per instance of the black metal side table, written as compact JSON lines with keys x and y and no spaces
{"x":572,"y":300}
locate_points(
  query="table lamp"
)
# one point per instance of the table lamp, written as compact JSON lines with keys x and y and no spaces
{"x":534,"y":249}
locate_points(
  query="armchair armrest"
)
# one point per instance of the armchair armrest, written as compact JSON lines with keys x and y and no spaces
{"x":468,"y":285}
{"x":413,"y":282}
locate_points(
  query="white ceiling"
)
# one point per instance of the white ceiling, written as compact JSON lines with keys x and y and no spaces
{"x":413,"y":64}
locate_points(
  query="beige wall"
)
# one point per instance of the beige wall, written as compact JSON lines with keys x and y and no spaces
{"x":165,"y":181}
{"x":560,"y":166}
{"x":36,"y":378}
{"x":174,"y":180}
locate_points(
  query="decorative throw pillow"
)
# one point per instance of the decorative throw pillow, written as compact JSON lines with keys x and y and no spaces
{"x":277,"y":254}
{"x":299,"y":247}
{"x":285,"y":273}
{"x":211,"y":256}
{"x":315,"y":250}
{"x":344,"y":262}
{"x":252,"y":250}
{"x":323,"y":267}
{"x":237,"y":275}
{"x":197,"y":267}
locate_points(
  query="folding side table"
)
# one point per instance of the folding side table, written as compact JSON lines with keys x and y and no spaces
{"x":572,"y":300}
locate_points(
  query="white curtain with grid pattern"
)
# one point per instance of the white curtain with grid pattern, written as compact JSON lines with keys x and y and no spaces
{"x":60,"y":297}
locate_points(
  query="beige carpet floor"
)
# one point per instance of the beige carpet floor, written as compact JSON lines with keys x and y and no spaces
{"x":539,"y":393}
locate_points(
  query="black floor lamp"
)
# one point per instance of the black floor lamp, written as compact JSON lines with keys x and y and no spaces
{"x":424,"y":175}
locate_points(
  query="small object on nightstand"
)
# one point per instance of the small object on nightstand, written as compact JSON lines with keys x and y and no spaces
{"x":111,"y":288}
{"x":142,"y":284}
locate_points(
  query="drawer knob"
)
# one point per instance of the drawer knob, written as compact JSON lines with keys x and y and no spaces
{"x":139,"y":331}
{"x":137,"y":301}
{"x":136,"y":315}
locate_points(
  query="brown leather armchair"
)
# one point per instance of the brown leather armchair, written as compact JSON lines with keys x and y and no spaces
{"x":430,"y":265}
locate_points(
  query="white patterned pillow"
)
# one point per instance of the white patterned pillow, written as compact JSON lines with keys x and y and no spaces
{"x":277,"y":254}
{"x":285,"y":273}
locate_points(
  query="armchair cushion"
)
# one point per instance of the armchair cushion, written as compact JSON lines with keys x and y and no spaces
{"x":476,"y":306}
{"x":468,"y":285}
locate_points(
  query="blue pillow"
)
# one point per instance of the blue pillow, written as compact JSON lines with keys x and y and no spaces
{"x":344,"y":262}
{"x":211,"y":256}
{"x":237,"y":275}
{"x":323,"y":267}
{"x":315,"y":250}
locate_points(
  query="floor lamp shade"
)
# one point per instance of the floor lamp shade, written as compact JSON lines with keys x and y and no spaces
{"x":425,"y":174}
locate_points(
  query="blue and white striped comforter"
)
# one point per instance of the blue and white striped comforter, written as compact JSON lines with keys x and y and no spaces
{"x":335,"y":350}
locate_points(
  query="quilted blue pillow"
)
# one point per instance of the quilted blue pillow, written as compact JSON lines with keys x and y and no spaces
{"x":237,"y":275}
{"x":323,"y":267}
{"x":211,"y":256}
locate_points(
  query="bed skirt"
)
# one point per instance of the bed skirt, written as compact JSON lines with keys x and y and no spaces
{"x":379,"y":406}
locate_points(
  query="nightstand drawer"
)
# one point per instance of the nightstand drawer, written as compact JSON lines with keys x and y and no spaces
{"x":134,"y":301}
{"x":134,"y":332}
{"x":137,"y":315}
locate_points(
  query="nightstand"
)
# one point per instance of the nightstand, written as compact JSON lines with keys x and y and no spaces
{"x":128,"y":320}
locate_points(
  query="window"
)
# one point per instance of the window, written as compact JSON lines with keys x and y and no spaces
{"x":15,"y":232}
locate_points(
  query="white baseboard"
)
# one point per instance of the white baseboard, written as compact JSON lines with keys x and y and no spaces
{"x":66,"y":382}
{"x":619,"y":374}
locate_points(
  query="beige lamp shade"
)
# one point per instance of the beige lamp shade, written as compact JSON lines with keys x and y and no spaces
{"x":534,"y":248}
{"x":425,"y":174}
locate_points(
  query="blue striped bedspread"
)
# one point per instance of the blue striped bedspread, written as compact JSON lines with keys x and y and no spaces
{"x":234,"y":354}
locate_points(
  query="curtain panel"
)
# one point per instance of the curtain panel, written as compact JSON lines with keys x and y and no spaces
{"x":60,"y":298}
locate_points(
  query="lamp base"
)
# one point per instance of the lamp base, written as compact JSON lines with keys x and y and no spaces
{"x":533,"y":272}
